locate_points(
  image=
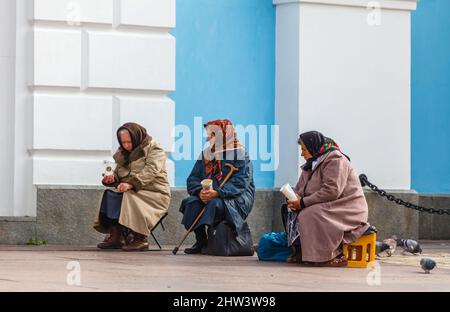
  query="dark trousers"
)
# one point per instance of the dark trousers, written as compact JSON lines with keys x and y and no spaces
{"x":214,"y":214}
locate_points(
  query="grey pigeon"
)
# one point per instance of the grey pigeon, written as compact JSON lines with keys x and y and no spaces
{"x":427,"y":265}
{"x":409,"y":245}
{"x":380,"y":247}
{"x":392,"y":242}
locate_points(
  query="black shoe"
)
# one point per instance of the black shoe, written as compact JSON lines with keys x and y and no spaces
{"x":196,"y":248}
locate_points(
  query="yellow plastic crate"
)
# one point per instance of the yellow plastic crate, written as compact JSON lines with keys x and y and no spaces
{"x":361,"y":254}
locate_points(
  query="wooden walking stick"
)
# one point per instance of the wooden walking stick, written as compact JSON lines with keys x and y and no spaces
{"x":233,"y":170}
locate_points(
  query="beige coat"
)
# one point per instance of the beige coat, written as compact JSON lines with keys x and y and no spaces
{"x":335,"y":208}
{"x":150,"y":198}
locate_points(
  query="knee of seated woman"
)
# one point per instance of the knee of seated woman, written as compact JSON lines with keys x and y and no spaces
{"x":215,"y":202}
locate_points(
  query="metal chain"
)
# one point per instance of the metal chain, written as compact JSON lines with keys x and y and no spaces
{"x":398,"y":201}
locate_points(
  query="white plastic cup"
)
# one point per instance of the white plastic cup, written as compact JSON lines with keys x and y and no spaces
{"x":288,"y":192}
{"x":207,"y":185}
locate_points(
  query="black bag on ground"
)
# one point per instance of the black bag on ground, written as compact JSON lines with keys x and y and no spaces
{"x":222,"y":241}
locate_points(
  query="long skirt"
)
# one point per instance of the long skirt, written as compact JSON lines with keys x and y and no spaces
{"x":290,"y":222}
{"x":192,"y":206}
{"x":110,"y":208}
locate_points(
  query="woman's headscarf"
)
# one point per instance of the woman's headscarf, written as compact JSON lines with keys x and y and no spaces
{"x":138,"y":135}
{"x":223,"y":129}
{"x":317,"y":145}
{"x":226,"y":140}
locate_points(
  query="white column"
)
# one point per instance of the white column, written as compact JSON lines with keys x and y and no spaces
{"x":24,"y":190}
{"x":7,"y":56}
{"x":343,"y":68}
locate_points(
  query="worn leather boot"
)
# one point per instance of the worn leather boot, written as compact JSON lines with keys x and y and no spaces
{"x":113,"y":240}
{"x":139,"y":243}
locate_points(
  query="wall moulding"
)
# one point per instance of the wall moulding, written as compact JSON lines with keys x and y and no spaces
{"x":407,"y":5}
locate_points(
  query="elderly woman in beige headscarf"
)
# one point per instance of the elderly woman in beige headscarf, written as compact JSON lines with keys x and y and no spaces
{"x":141,"y":194}
{"x":331,"y":208}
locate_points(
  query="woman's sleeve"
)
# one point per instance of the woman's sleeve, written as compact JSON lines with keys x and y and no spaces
{"x":298,"y":187}
{"x":335,"y":173}
{"x":239,"y":182}
{"x":194,"y":180}
{"x":154,"y":164}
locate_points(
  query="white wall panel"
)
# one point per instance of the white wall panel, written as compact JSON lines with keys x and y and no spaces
{"x":170,"y":166}
{"x":66,"y":171}
{"x":72,"y":123}
{"x":129,"y":61}
{"x":155,"y":114}
{"x":73,"y":11}
{"x":57,"y":58}
{"x":152,"y":13}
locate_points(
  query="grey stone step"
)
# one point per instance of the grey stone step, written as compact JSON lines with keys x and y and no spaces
{"x":65,"y":216}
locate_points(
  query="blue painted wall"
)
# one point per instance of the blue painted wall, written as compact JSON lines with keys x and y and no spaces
{"x":225,"y":67}
{"x":431,"y":97}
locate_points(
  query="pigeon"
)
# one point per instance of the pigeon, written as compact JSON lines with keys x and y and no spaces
{"x":409,"y":245}
{"x":392,"y":242}
{"x":380,"y":247}
{"x":427,"y":265}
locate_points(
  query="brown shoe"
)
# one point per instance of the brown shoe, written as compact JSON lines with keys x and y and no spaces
{"x":112,"y":241}
{"x":139,"y":243}
{"x":337,"y":262}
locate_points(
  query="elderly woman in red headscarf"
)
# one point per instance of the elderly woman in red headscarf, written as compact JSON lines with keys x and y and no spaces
{"x":141,"y":194}
{"x":231,"y":202}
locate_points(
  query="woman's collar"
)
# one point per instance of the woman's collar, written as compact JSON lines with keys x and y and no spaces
{"x":318,"y":161}
{"x":137,"y":153}
{"x":234,"y":154}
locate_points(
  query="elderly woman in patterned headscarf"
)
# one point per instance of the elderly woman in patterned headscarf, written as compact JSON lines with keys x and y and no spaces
{"x":331,"y":208}
{"x":141,"y":194}
{"x":232,"y":202}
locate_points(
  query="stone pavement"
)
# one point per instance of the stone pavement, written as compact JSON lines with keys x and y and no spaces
{"x":26,"y":268}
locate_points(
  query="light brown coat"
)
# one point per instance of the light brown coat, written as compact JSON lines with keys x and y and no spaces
{"x":150,"y":198}
{"x":335,"y":208}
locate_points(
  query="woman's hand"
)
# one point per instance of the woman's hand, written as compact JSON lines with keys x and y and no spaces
{"x":124,"y":187}
{"x":108,"y":179}
{"x":295,"y":204}
{"x":206,"y":196}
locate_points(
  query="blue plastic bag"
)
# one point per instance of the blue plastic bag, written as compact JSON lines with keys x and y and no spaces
{"x":274,"y":247}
